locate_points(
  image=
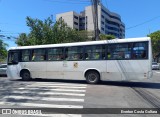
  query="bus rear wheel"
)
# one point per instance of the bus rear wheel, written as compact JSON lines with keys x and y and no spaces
{"x":92,"y":77}
{"x":26,"y":76}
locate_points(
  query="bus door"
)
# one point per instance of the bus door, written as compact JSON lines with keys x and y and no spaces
{"x":71,"y":63}
{"x":72,"y":70}
{"x":13,"y":66}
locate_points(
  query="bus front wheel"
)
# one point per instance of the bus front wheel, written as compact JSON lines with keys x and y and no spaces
{"x":26,"y":76}
{"x":92,"y":77}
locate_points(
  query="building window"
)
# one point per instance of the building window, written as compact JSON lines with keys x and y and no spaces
{"x":75,"y":23}
{"x":106,"y":32}
{"x":102,"y":28}
{"x":75,"y":17}
{"x":102,"y":22}
{"x":105,"y":12}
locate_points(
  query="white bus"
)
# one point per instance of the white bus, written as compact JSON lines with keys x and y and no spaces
{"x":117,"y":59}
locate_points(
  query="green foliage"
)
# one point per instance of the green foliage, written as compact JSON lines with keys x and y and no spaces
{"x":155,"y":38}
{"x":106,"y":37}
{"x":48,"y":32}
{"x":3,"y":51}
{"x":23,"y":40}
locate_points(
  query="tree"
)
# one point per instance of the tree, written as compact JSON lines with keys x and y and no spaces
{"x":106,"y":37}
{"x":3,"y":51}
{"x":23,"y":40}
{"x":155,"y":38}
{"x":48,"y":32}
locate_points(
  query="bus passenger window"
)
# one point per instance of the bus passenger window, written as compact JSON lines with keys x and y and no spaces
{"x":143,"y":55}
{"x":120,"y":55}
{"x":41,"y":58}
{"x":25,"y":58}
{"x":25,"y":55}
{"x":108,"y":55}
{"x":74,"y":53}
{"x":96,"y":56}
{"x":33,"y":57}
{"x":95,"y":52}
{"x":127,"y":56}
{"x":76,"y":57}
{"x":139,"y":50}
{"x":80,"y":56}
{"x":58,"y":57}
{"x":38,"y":55}
{"x":50,"y":57}
{"x":86,"y":56}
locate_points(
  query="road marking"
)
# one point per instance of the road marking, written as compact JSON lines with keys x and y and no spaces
{"x":50,"y":93}
{"x":44,"y":98}
{"x":158,"y":72}
{"x":38,"y":105}
{"x":68,"y":84}
{"x":71,"y":90}
{"x":67,"y":87}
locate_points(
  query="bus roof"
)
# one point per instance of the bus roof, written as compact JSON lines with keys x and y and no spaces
{"x":83,"y":43}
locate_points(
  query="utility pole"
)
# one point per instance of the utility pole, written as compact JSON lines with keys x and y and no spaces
{"x":95,"y":4}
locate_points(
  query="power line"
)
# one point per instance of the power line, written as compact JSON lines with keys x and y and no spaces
{"x":8,"y":38}
{"x":9,"y":32}
{"x":142,"y":23}
{"x":68,"y":2}
{"x":11,"y":24}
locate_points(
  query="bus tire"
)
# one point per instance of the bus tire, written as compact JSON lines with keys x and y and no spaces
{"x":26,"y":76}
{"x":92,"y":77}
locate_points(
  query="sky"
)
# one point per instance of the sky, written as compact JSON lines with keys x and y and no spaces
{"x":141,"y":17}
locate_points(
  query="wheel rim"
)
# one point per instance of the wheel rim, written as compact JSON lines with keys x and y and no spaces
{"x":92,"y":77}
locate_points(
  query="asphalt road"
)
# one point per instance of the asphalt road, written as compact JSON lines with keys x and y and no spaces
{"x":40,"y":93}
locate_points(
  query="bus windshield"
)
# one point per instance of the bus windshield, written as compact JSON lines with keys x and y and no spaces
{"x":13,"y":57}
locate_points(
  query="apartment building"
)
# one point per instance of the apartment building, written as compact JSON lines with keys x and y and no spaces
{"x":108,"y":22}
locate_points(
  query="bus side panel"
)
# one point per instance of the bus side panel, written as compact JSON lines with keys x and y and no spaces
{"x":54,"y":70}
{"x":76,"y":69}
{"x":37,"y":69}
{"x":137,"y":69}
{"x":13,"y":71}
{"x":113,"y":70}
{"x":127,"y":69}
{"x":134,"y":69}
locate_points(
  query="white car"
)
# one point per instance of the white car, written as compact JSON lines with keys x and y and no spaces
{"x":155,"y":66}
{"x":3,"y":69}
